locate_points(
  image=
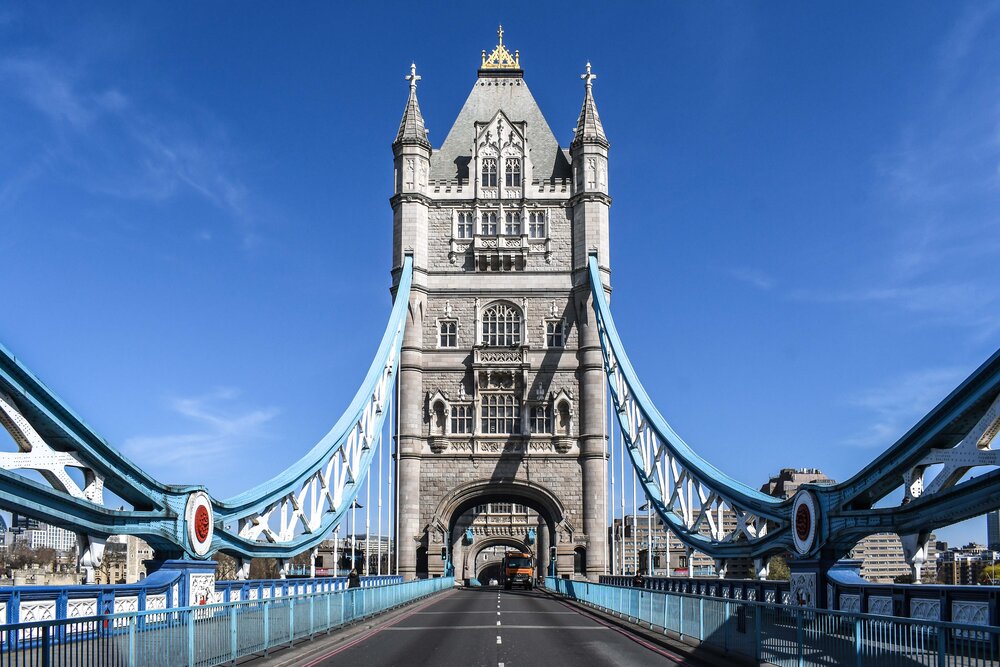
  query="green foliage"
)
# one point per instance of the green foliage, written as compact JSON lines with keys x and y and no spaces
{"x":777,"y":569}
{"x":990,"y":575}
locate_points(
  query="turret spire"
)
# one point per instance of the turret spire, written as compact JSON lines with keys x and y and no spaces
{"x":588,"y":127}
{"x":411,"y":127}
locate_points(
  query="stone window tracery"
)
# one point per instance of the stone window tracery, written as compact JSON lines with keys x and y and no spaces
{"x":501,"y":326}
{"x":500,"y":415}
{"x":466,"y":224}
{"x":461,"y":419}
{"x":488,"y":223}
{"x":541,"y":419}
{"x":555,"y":333}
{"x":447,"y":333}
{"x":512,"y":173}
{"x":536,"y":225}
{"x":489,"y":172}
{"x":512,"y":223}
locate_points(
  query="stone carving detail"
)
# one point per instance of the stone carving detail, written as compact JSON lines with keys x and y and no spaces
{"x":498,"y":357}
{"x":850,"y":603}
{"x":200,"y":588}
{"x":970,"y":613}
{"x":769,"y":597}
{"x":927,"y":610}
{"x":80,"y":608}
{"x":803,"y":589}
{"x":880,"y":605}
{"x":32,"y":612}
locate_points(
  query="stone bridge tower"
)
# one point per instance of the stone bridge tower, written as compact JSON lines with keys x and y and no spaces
{"x":501,"y":386}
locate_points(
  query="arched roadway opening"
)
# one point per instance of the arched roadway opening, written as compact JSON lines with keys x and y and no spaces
{"x":542,"y":500}
{"x":485,"y":569}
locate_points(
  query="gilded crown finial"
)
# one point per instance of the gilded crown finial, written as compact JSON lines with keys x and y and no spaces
{"x":501,"y":58}
{"x":413,"y":77}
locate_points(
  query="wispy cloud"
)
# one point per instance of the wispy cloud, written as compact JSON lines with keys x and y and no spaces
{"x":753,"y":277}
{"x":897,"y":405}
{"x":217,"y":428}
{"x":106,"y":141}
{"x":938,"y":192}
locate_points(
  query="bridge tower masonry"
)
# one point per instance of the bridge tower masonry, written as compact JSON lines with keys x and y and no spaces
{"x":502,"y":394}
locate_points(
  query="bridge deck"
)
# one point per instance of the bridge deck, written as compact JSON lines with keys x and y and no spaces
{"x":497,"y":628}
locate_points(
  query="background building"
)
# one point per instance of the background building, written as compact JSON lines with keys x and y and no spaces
{"x":788,"y":480}
{"x":993,"y":530}
{"x":883,"y":561}
{"x":964,"y":565}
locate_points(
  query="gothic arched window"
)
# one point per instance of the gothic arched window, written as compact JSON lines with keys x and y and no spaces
{"x":541,"y":419}
{"x":489,"y":172}
{"x":501,"y":325}
{"x":512,"y":173}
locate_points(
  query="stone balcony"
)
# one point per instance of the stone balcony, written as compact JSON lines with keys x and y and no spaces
{"x":500,"y":356}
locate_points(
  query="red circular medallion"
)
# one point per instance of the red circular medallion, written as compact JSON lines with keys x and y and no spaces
{"x":201,"y":523}
{"x":803,"y":522}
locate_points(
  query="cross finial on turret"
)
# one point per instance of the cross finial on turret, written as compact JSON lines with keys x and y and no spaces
{"x":588,"y":77}
{"x":413,"y":77}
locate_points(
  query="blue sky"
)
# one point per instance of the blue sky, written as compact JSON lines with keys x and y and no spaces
{"x":195,"y":229}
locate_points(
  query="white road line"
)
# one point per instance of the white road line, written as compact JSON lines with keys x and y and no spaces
{"x":498,"y":621}
{"x":498,"y":639}
{"x":450,"y":628}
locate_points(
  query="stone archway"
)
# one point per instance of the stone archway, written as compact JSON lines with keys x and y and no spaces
{"x":471,"y":565}
{"x":557,"y":531}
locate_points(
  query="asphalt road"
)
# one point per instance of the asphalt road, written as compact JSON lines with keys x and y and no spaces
{"x":495,"y":628}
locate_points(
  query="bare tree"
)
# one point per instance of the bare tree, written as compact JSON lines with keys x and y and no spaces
{"x":226,"y":567}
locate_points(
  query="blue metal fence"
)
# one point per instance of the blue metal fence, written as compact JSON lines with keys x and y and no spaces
{"x":200,"y":636}
{"x":793,"y":636}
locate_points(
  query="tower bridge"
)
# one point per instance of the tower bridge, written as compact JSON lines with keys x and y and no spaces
{"x":500,"y":381}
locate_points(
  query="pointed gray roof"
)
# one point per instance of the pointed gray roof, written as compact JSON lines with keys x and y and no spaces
{"x":588,"y":127}
{"x":493,"y":92}
{"x":411,"y":127}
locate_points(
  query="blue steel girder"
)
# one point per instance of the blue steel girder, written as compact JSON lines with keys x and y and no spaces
{"x":723,"y":518}
{"x":705,"y":508}
{"x":290,"y":513}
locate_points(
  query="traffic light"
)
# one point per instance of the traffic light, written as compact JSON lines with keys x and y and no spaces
{"x":444,"y":553}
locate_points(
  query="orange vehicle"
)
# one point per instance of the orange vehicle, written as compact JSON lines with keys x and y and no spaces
{"x":518,"y":570}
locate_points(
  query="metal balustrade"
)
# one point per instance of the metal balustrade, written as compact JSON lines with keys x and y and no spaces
{"x":200,"y":636}
{"x":792,"y":636}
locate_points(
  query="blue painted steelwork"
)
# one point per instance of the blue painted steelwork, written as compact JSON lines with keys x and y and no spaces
{"x":204,"y":635}
{"x":308,"y":499}
{"x":790,"y":636}
{"x":691,"y":496}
